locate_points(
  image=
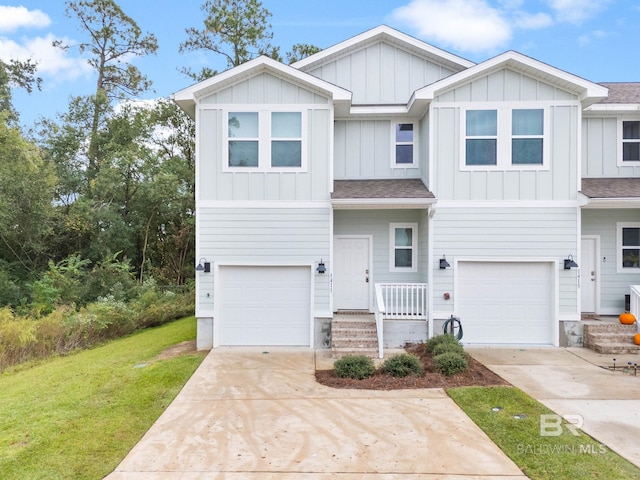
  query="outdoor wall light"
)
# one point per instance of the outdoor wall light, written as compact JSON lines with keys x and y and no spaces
{"x":203,"y":266}
{"x":569,"y":263}
{"x":443,"y":263}
{"x":321,"y":268}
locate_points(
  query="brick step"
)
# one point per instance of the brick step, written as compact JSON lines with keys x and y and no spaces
{"x":615,"y":347}
{"x":610,"y":328}
{"x":605,"y":337}
{"x":353,"y":332}
{"x":354,"y":343}
{"x":342,"y":352}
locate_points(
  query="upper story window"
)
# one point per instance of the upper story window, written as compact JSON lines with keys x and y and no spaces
{"x":630,"y":141}
{"x":505,"y":139}
{"x":628,"y":247}
{"x":403,"y":240}
{"x":264,"y":141}
{"x":404,"y":144}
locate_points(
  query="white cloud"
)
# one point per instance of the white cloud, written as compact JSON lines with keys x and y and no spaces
{"x":469,"y":25}
{"x":532,"y":21}
{"x":13,"y":18}
{"x":52,"y":62}
{"x":576,"y":11}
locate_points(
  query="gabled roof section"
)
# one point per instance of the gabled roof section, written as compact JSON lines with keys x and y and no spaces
{"x":588,"y":92}
{"x":188,"y":98}
{"x":389,"y":35}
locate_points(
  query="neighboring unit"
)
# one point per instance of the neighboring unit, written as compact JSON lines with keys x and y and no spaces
{"x":386,"y":176}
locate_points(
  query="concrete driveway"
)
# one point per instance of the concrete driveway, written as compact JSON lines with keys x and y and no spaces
{"x":571,"y":381}
{"x":248,"y":414}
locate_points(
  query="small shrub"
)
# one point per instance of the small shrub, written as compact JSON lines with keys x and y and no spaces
{"x":354,"y":366}
{"x":450,"y":363}
{"x":440,"y":339}
{"x":447,"y":347}
{"x":403,"y":365}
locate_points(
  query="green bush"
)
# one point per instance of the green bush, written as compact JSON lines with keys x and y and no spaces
{"x":403,"y":365}
{"x":450,"y":363}
{"x":354,"y":366}
{"x":440,"y":339}
{"x":447,"y":347}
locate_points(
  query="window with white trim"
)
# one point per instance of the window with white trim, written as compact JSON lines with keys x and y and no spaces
{"x":404,"y":145}
{"x":504,"y":138}
{"x":403,"y":254}
{"x":264,"y":140}
{"x":630,"y":141}
{"x":628,"y":256}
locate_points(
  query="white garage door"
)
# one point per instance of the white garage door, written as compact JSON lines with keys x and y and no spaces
{"x":506,"y":302}
{"x":265,"y":305}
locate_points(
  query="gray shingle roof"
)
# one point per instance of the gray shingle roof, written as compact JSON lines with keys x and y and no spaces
{"x":622,"y":92}
{"x":611,"y":187}
{"x":392,"y":188}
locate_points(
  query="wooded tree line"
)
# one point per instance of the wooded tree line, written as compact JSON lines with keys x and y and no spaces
{"x":105,"y":190}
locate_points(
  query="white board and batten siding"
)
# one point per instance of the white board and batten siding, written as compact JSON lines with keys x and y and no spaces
{"x":601,"y":144}
{"x":264,"y":93}
{"x":381,"y":74}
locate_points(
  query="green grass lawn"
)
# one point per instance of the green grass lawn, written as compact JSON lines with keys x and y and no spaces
{"x":540,"y":457}
{"x":76,"y":417}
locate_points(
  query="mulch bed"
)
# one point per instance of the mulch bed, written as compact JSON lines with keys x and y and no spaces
{"x":476,"y":375}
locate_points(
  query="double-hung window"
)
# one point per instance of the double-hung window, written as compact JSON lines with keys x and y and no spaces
{"x":504,"y":139}
{"x":527,"y":129}
{"x":628,"y":247}
{"x":404,"y":144}
{"x":264,"y":141}
{"x":403,"y":254}
{"x":630,"y":141}
{"x":482,"y":137}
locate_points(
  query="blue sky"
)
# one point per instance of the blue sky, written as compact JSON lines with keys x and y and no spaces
{"x":595,"y":39}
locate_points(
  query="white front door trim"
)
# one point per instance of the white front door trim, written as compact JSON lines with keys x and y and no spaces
{"x":590,"y":282}
{"x":369,"y":239}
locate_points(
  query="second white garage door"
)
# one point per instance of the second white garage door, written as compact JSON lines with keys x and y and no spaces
{"x":265,"y":305}
{"x":508,"y":303}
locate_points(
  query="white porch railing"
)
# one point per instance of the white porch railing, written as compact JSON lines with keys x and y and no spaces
{"x":634,"y":303}
{"x":401,"y":301}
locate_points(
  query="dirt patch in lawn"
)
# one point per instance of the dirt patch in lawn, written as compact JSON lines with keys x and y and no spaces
{"x":178,"y":349}
{"x":476,"y":375}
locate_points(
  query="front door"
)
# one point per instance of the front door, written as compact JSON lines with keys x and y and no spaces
{"x":588,"y":274}
{"x":351,"y":272}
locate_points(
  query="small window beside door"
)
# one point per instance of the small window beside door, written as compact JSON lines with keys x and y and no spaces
{"x":628,"y":247}
{"x":403,"y":254}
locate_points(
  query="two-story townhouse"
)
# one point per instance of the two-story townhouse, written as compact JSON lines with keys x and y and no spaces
{"x":386,"y":174}
{"x":610,"y":195}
